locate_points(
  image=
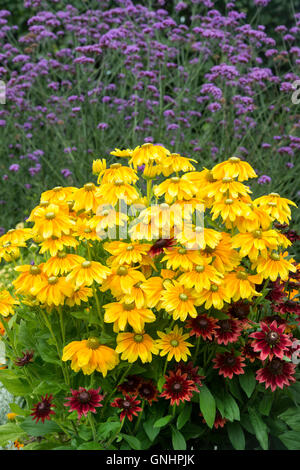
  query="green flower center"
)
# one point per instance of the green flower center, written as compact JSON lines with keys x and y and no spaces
{"x":199,"y":268}
{"x":53,"y":280}
{"x":130,"y":248}
{"x":93,"y":343}
{"x":234,"y":159}
{"x":182,"y":251}
{"x":228,"y":201}
{"x":89,"y":186}
{"x":138,"y":338}
{"x":257,"y":233}
{"x":50,"y":215}
{"x":57,"y":189}
{"x":122,"y":271}
{"x":275,"y":256}
{"x":174,"y":343}
{"x":86,"y":264}
{"x":227,"y":179}
{"x":34,"y":270}
{"x":130,"y":306}
{"x":115,"y":165}
{"x":214,"y":288}
{"x":183,"y":297}
{"x":242,"y":275}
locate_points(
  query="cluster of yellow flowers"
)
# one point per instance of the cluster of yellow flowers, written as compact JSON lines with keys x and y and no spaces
{"x":149,"y":280}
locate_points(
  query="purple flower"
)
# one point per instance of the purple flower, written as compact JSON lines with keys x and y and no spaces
{"x":102,"y":125}
{"x":15,"y":167}
{"x":2,"y":230}
{"x":66,"y":172}
{"x":264,"y":179}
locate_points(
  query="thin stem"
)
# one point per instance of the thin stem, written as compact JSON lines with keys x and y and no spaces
{"x":91,"y":421}
{"x":115,"y":389}
{"x":99,"y":308}
{"x":115,"y":435}
{"x":139,"y":418}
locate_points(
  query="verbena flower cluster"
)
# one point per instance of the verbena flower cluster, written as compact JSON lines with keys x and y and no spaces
{"x":200,"y":80}
{"x":135,"y":323}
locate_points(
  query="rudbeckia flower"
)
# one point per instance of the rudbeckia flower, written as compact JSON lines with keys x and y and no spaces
{"x":116,"y":191}
{"x":179,"y":301}
{"x":275,"y":206}
{"x":89,"y":356}
{"x":120,"y":314}
{"x":229,"y":364}
{"x":122,"y":153}
{"x":270,"y":341}
{"x":7,"y":303}
{"x":230,"y":209}
{"x":273,"y":266}
{"x":136,"y":345}
{"x":203,"y":326}
{"x":87,"y":199}
{"x":224,"y":257}
{"x":128,"y":405}
{"x":52,"y":290}
{"x":277,"y":373}
{"x":173,"y":344}
{"x":121,"y":280}
{"x":174,"y":163}
{"x":181,"y":258}
{"x":43,"y":409}
{"x":62,"y":263}
{"x":178,"y":388}
{"x":241,"y":285}
{"x":254,"y":243}
{"x":234,"y":167}
{"x":86,"y":273}
{"x":52,"y":220}
{"x":228,"y":331}
{"x":227,"y":188}
{"x":214,"y":297}
{"x":147,"y":153}
{"x":30,"y":275}
{"x":81,"y":294}
{"x":84,"y":401}
{"x":201,"y":277}
{"x":126,"y":253}
{"x":175,"y":188}
{"x":118,"y":172}
{"x":58,"y":195}
{"x":55,"y":244}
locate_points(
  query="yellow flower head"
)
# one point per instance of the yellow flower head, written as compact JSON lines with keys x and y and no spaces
{"x":7,"y":303}
{"x":122,"y":153}
{"x":62,"y":263}
{"x":276,"y":207}
{"x":58,"y":195}
{"x":120,"y":314}
{"x":86,"y":198}
{"x":176,"y":188}
{"x":51,"y":290}
{"x":81,"y":294}
{"x":55,"y":244}
{"x":136,"y":345}
{"x":241,"y":285}
{"x":52,"y":220}
{"x":89,"y":356}
{"x":143,"y":155}
{"x":173,"y":344}
{"x":126,"y":253}
{"x":116,"y":191}
{"x":174,"y":163}
{"x":99,"y":166}
{"x":30,"y":276}
{"x":117,"y":172}
{"x":252,"y":244}
{"x":273,"y":266}
{"x":86,"y":273}
{"x":234,"y":167}
{"x":179,"y":301}
{"x":121,"y":280}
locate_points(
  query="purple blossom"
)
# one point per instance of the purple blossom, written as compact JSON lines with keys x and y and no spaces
{"x":264,"y":179}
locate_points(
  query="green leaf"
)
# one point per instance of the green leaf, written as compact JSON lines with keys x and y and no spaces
{"x":90,"y":446}
{"x":160,"y":383}
{"x":44,"y":445}
{"x":248,"y":382}
{"x":150,"y":430}
{"x":132,"y":441}
{"x":10,"y":432}
{"x":184,"y":416}
{"x":162,"y":421}
{"x":48,"y":353}
{"x":260,"y":428}
{"x":104,"y":430}
{"x":39,"y":429}
{"x":207,"y":406}
{"x":178,"y":440}
{"x":265,"y":404}
{"x":231,"y":409}
{"x":14,"y":408}
{"x":16,"y":386}
{"x":292,"y":418}
{"x":291,"y":440}
{"x":47,"y":387}
{"x":236,"y":435}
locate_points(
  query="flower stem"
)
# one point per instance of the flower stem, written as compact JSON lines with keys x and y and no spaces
{"x":91,"y":421}
{"x":115,"y":435}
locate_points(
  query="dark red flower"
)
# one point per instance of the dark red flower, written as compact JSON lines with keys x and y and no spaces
{"x":229,"y":364}
{"x":158,"y":247}
{"x":191,"y":371}
{"x":202,"y":325}
{"x":239,"y":310}
{"x":148,"y":391}
{"x":83,"y":401}
{"x":128,"y":405}
{"x":25,"y":359}
{"x":228,"y":331}
{"x":42,"y":410}
{"x":271,"y":341}
{"x":277,"y":318}
{"x":219,"y":421}
{"x":276,"y":373}
{"x":131,"y":385}
{"x":276,"y":293}
{"x":178,"y":387}
{"x":289,"y":306}
{"x":249,"y":353}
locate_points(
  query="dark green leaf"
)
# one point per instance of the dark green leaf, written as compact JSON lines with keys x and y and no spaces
{"x":260,"y":428}
{"x":150,"y":430}
{"x":291,"y":440}
{"x":90,"y":446}
{"x":292,"y":418}
{"x":162,"y":421}
{"x":265,"y":404}
{"x":207,"y":406}
{"x":178,"y":440}
{"x":10,"y":432}
{"x":248,"y":382}
{"x":132,"y":441}
{"x":39,"y":429}
{"x":236,"y":435}
{"x":231,"y":409}
{"x":184,"y":416}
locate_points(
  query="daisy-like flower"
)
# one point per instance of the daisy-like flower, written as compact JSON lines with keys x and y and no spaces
{"x":227,"y":331}
{"x":53,"y":220}
{"x":136,"y":295}
{"x":147,"y":154}
{"x":43,"y":409}
{"x":99,"y":166}
{"x":276,"y":373}
{"x":120,"y":314}
{"x":202,"y":326}
{"x":270,"y":341}
{"x":122,"y":153}
{"x":7,"y":303}
{"x":25,"y":359}
{"x":229,"y":364}
{"x":83,"y":401}
{"x":175,"y":188}
{"x":86,"y":198}
{"x":201,"y":277}
{"x":126,"y":253}
{"x":62,"y":263}
{"x":16,"y":237}
{"x":174,"y":163}
{"x":107,"y":218}
{"x":181,"y":258}
{"x":276,"y":207}
{"x":273,"y":266}
{"x":230,"y":209}
{"x":240,"y":310}
{"x":52,"y":290}
{"x":153,"y":288}
{"x":131,"y":385}
{"x":173,"y":344}
{"x":178,"y":301}
{"x":227,"y":188}
{"x":55,"y":244}
{"x":81,"y":294}
{"x":241,"y":285}
{"x":83,"y":231}
{"x":224,"y":257}
{"x":87,"y":272}
{"x":118,"y":172}
{"x":129,"y":406}
{"x":178,"y":388}
{"x":136,"y":345}
{"x":234,"y":167}
{"x":255,"y":243}
{"x":191,"y":371}
{"x":90,"y":355}
{"x":215,"y":296}
{"x":148,"y":391}
{"x":115,"y":191}
{"x":256,"y":219}
{"x":158,"y":247}
{"x":58,"y":195}
{"x":30,"y":275}
{"x":121,"y":280}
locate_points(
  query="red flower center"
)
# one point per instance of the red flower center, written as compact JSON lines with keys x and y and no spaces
{"x":176,"y":387}
{"x":230,"y":360}
{"x":126,"y":404}
{"x":203,"y":322}
{"x":84,"y":396}
{"x":225,"y":325}
{"x":276,"y":367}
{"x":272,"y":337}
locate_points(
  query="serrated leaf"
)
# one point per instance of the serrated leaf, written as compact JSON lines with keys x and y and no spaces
{"x":236,"y":435}
{"x":178,"y":440}
{"x":260,"y":428}
{"x":248,"y":382}
{"x":207,"y":406}
{"x":184,"y":416}
{"x":162,"y":421}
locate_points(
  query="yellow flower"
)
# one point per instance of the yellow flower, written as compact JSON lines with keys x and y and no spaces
{"x":120,"y":314}
{"x":121,"y":280}
{"x":175,"y":163}
{"x":83,"y":231}
{"x":86,"y":198}
{"x":241,"y":285}
{"x":176,"y":188}
{"x":30,"y":276}
{"x":52,"y":220}
{"x":99,"y":166}
{"x":230,"y":210}
{"x":181,"y":258}
{"x":118,"y":190}
{"x":136,"y":345}
{"x":62,"y":263}
{"x":106,"y":217}
{"x":143,"y":155}
{"x":173,"y":344}
{"x":117,"y":172}
{"x":126,"y":253}
{"x":55,"y":244}
{"x":122,"y":153}
{"x":256,"y":219}
{"x":52,"y":290}
{"x":273,"y":266}
{"x":252,"y":244}
{"x":224,"y":257}
{"x":87,"y":272}
{"x":201,"y":277}
{"x":58,"y":195}
{"x":214,"y":297}
{"x":6,"y":303}
{"x":16,"y":237}
{"x":81,"y":294}
{"x":233,"y":168}
{"x":153,"y":288}
{"x":179,"y":301}
{"x":227,"y":188}
{"x":11,"y":416}
{"x":276,"y":207}
{"x":89,"y":356}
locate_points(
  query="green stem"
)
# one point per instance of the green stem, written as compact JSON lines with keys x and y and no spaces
{"x":99,"y":309}
{"x":91,"y":421}
{"x":139,"y":418}
{"x":115,"y":389}
{"x":115,"y":435}
{"x":62,"y":326}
